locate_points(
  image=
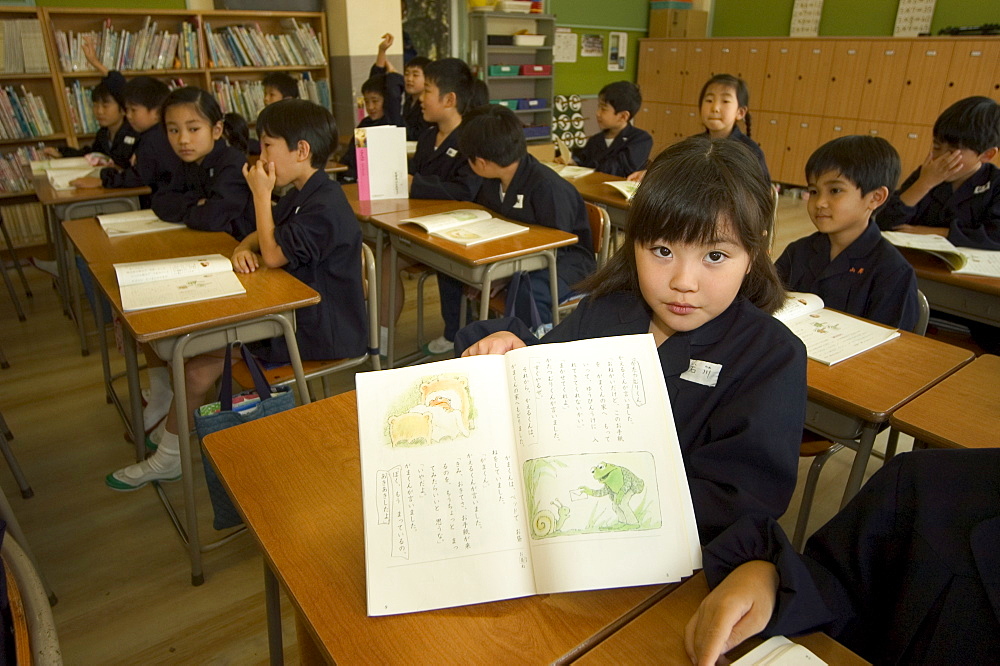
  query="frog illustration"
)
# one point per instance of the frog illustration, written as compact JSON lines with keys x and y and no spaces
{"x":620,"y":484}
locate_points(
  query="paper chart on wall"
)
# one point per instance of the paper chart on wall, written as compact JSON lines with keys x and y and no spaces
{"x":564,"y":49}
{"x":913,"y":17}
{"x":806,"y":15}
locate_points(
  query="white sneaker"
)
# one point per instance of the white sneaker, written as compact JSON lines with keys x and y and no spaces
{"x":441,"y":345}
{"x":138,"y":475}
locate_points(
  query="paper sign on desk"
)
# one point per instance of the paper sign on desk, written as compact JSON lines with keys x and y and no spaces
{"x":381,"y":162}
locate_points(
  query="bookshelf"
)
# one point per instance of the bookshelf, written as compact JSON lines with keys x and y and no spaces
{"x":263,"y":41}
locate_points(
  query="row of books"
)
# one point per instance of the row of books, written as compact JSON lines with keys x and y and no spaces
{"x":25,"y":223}
{"x":22,"y":47}
{"x":315,"y":91}
{"x":81,"y":108}
{"x":22,"y":114}
{"x":248,"y":46}
{"x":146,"y":49}
{"x":247,"y":97}
{"x":15,"y":174}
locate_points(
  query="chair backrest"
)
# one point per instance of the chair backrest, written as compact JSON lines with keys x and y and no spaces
{"x":82,"y":209}
{"x":920,"y":328}
{"x":774,"y":221}
{"x":600,"y":231}
{"x":43,"y":642}
{"x":369,"y":280}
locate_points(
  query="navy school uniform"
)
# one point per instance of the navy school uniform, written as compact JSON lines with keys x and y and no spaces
{"x":219,"y":181}
{"x":536,"y":195}
{"x":119,"y":148}
{"x":413,"y":118}
{"x":740,"y":438}
{"x":321,"y":238}
{"x":350,"y":158}
{"x":971,"y":213}
{"x":907,"y":573}
{"x":738,"y":135}
{"x":628,"y":152}
{"x":442,"y":172}
{"x":155,"y":163}
{"x":869,"y":278}
{"x":392,"y":103}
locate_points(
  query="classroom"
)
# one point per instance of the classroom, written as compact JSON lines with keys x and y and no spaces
{"x":129,"y":590}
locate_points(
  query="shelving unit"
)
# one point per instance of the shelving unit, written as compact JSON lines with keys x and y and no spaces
{"x":483,"y":55}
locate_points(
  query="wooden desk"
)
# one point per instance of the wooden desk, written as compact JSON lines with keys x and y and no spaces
{"x":592,"y":188}
{"x":963,"y":411}
{"x":850,"y":400}
{"x":476,"y":265}
{"x":970,"y":296}
{"x":300,"y":495}
{"x":179,"y":332}
{"x":657,"y":636}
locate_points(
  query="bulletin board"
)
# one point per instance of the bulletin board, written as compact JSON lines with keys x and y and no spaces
{"x":587,"y":76}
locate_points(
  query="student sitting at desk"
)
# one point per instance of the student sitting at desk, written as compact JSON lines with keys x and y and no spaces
{"x":382,"y":107}
{"x":516,"y":186}
{"x":313,"y":234}
{"x":694,"y":272}
{"x":956,"y":192}
{"x":208,"y":192}
{"x":907,"y":573}
{"x":115,"y":138}
{"x":847,"y":262}
{"x":620,"y":147}
{"x":413,"y":85}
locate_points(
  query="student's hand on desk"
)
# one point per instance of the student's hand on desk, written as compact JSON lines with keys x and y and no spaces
{"x":245,"y":261}
{"x":935,"y":171}
{"x":637,"y":176}
{"x":260,"y":178}
{"x":738,"y":608}
{"x":917,"y":229}
{"x":498,"y":343}
{"x":86,"y":181}
{"x":49,"y":151}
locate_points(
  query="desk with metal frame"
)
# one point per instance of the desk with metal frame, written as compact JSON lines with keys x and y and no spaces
{"x":971,"y":296}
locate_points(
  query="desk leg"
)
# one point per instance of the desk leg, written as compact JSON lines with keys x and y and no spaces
{"x":55,"y":236}
{"x":294,"y":359}
{"x":553,"y":286}
{"x":391,"y":324}
{"x":272,"y":604}
{"x":861,"y":457}
{"x":135,"y":426}
{"x":102,"y":342}
{"x":187,"y":471}
{"x":76,"y":305}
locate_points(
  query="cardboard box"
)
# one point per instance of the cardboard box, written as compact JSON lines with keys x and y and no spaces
{"x":678,"y":23}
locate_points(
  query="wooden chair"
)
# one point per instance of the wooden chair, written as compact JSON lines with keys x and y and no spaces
{"x":322,"y":369}
{"x":815,"y":446}
{"x":35,"y":637}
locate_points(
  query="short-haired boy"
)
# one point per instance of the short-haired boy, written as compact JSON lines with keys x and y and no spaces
{"x":847,"y":262}
{"x":620,"y":148}
{"x":377,"y":109}
{"x":279,"y":86}
{"x":411,"y":83}
{"x":115,"y":138}
{"x":956,"y":192}
{"x":516,"y":186}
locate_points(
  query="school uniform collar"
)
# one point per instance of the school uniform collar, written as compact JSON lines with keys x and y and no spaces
{"x":216,"y":157}
{"x":980,"y":179}
{"x":626,"y":135}
{"x":297,"y":197}
{"x":518,"y":184}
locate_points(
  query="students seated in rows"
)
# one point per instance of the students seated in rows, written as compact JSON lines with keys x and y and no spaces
{"x":279,"y":86}
{"x":847,"y":262}
{"x":694,"y":272}
{"x":907,"y":573}
{"x":620,"y":147}
{"x":208,"y":191}
{"x":313,"y":234}
{"x":516,"y":186}
{"x":956,"y":192}
{"x":379,"y":112}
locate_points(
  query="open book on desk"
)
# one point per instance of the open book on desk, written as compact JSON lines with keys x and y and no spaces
{"x":569,"y":171}
{"x":135,"y":222}
{"x":961,"y":260}
{"x":553,"y":468}
{"x":153,"y":284}
{"x":90,"y":160}
{"x":467,"y":226}
{"x":626,"y":187}
{"x":830,"y":336}
{"x":60,"y":179}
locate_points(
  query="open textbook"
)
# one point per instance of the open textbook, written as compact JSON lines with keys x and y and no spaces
{"x":153,"y":284}
{"x":830,"y":336}
{"x":63,"y":170}
{"x":134,"y":222}
{"x":626,"y":187}
{"x":569,"y":171}
{"x":962,"y":260}
{"x":552,"y":468}
{"x":779,"y":651}
{"x":467,"y":226}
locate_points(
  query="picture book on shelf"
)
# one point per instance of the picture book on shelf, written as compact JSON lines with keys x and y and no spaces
{"x":134,"y":222}
{"x":961,"y":260}
{"x":830,"y":336}
{"x":626,"y":187}
{"x":153,"y":284}
{"x":502,"y":476}
{"x":467,"y":226}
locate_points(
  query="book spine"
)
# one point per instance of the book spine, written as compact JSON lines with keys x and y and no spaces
{"x":364,"y":181}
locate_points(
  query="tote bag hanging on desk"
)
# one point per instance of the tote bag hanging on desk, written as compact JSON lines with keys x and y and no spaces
{"x":261,"y":401}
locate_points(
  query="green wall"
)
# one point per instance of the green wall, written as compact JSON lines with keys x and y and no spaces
{"x":632,"y":14}
{"x":771,"y":18}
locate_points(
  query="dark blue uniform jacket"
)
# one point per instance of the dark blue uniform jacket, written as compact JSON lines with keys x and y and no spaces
{"x":628,"y":152}
{"x":155,"y":163}
{"x":442,"y":172}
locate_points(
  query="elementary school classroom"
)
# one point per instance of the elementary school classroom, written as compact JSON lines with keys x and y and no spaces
{"x":798,"y":206}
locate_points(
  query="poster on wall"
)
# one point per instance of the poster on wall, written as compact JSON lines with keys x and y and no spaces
{"x":617,"y":51}
{"x":806,"y":15}
{"x":592,"y":46}
{"x":913,"y":17}
{"x":564,"y":49}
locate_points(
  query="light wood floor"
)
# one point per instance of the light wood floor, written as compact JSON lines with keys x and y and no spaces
{"x":114,"y":560}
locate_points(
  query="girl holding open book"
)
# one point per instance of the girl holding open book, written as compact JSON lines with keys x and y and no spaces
{"x":695,"y":273}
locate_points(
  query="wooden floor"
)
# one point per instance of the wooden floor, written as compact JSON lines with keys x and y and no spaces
{"x":114,"y":559}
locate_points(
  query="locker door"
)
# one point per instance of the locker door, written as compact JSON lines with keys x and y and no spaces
{"x":646,"y":78}
{"x":666,"y":72}
{"x":913,"y":142}
{"x":877,"y":128}
{"x":847,"y":79}
{"x":752,"y":68}
{"x":972,"y":67}
{"x":689,"y":121}
{"x":883,"y":80}
{"x":782,"y":56}
{"x":809,"y":87}
{"x":926,"y":78}
{"x":697,"y":70}
{"x":831,"y":128}
{"x":801,"y":139}
{"x":649,"y":118}
{"x":725,"y":56}
{"x":670,"y":123}
{"x":770,"y":130}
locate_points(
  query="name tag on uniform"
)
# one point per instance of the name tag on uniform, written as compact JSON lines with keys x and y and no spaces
{"x":296,"y":212}
{"x":702,"y":372}
{"x":981,"y":189}
{"x":211,"y":172}
{"x":451,"y":152}
{"x":520,"y":201}
{"x":129,"y":140}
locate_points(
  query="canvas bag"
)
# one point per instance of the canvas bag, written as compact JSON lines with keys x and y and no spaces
{"x":520,"y":282}
{"x":225,"y":513}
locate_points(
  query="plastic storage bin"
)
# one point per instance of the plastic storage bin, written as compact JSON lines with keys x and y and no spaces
{"x":504,"y":70}
{"x":535,"y":70}
{"x":529,"y":40}
{"x":537,"y":132}
{"x":509,"y":103}
{"x":531,"y":103}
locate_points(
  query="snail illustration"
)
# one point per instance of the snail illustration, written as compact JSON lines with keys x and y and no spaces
{"x":545,"y":522}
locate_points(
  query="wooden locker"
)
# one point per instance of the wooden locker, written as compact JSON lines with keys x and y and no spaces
{"x":883,"y":80}
{"x":972,"y":65}
{"x":770,"y":130}
{"x":697,"y":70}
{"x":831,"y":128}
{"x":689,"y":123}
{"x":846,"y":82}
{"x":801,"y":139}
{"x":781,"y":65}
{"x":913,"y":143}
{"x":876,"y":128}
{"x":650,"y":118}
{"x":812,"y":70}
{"x":725,"y":57}
{"x":649,"y":82}
{"x":669,"y":70}
{"x":926,"y":78}
{"x":670,"y":124}
{"x":753,"y":69}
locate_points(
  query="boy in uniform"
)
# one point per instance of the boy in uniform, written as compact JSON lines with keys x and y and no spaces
{"x":619,"y":148}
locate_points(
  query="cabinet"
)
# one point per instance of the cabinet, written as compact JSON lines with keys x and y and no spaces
{"x":490,"y":52}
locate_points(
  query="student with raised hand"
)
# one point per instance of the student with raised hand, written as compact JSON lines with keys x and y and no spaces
{"x":906,"y":573}
{"x":956,"y":192}
{"x":695,"y":273}
{"x":208,"y":191}
{"x":620,"y":147}
{"x":313,"y":234}
{"x":847,"y":262}
{"x":411,"y":113}
{"x":516,"y":186}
